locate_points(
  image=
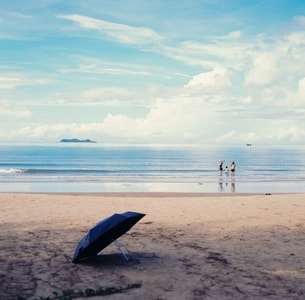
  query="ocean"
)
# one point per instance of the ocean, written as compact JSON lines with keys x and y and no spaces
{"x":90,"y":168}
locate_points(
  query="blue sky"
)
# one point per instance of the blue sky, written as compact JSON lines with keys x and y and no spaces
{"x":137,"y":71}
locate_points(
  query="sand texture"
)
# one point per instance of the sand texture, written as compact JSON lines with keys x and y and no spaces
{"x":186,"y":247}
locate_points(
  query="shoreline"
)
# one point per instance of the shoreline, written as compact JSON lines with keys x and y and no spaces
{"x":217,"y":187}
{"x":147,"y":194}
{"x":188,"y":246}
{"x":151,"y":194}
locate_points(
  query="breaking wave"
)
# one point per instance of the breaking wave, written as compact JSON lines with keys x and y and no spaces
{"x":11,"y":171}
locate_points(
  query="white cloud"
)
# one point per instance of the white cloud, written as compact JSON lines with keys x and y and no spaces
{"x":228,"y":137}
{"x":13,"y":112}
{"x":262,"y":60}
{"x":300,"y":20}
{"x":176,"y":120}
{"x":234,"y":34}
{"x":265,"y":70}
{"x":277,"y":62}
{"x":246,"y":100}
{"x":99,"y":69}
{"x":120,"y":32}
{"x":216,"y":54}
{"x":20,"y":16}
{"x":219,"y":79}
{"x":292,"y":134}
{"x":172,"y":120}
{"x":249,"y":85}
{"x":300,"y":94}
{"x":281,"y":135}
{"x":55,"y":132}
{"x":9,"y":80}
{"x":108,"y":93}
{"x":296,"y":98}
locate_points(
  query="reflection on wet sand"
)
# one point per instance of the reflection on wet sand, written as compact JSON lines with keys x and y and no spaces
{"x":225,"y":183}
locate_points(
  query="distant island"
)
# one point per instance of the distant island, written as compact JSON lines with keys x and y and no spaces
{"x":76,"y":141}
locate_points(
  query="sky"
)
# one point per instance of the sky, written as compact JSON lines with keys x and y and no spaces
{"x":153,"y":72}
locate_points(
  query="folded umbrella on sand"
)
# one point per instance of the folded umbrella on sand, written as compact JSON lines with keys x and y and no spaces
{"x":104,"y":233}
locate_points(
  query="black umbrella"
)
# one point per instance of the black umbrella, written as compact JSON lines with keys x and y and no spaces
{"x":104,"y":233}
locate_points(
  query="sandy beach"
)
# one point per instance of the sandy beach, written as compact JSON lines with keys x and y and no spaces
{"x":188,"y":246}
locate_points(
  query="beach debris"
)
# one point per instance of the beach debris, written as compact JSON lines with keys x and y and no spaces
{"x":217,"y":257}
{"x":88,"y":292}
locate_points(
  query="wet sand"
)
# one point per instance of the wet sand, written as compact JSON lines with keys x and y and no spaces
{"x":188,"y":246}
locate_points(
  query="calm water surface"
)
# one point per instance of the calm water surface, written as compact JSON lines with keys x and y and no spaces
{"x":98,"y":168}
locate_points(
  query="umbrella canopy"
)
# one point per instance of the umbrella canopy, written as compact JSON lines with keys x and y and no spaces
{"x":104,"y":233}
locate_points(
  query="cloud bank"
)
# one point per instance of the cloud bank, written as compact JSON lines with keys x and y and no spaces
{"x":121,"y":82}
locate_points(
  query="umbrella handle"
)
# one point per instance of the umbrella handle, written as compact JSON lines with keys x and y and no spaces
{"x":117,"y":244}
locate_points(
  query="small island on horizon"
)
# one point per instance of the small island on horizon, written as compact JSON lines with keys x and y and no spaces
{"x":74,"y":140}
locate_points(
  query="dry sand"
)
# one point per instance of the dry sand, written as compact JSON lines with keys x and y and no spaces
{"x":186,"y":247}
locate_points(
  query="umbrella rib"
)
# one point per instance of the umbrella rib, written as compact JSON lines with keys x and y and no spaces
{"x":117,"y":244}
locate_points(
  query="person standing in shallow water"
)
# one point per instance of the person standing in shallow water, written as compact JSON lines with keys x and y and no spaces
{"x":227,"y":171}
{"x":220,"y":167}
{"x":233,"y":166}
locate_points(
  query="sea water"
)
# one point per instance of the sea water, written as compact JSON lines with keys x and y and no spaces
{"x":86,"y":167}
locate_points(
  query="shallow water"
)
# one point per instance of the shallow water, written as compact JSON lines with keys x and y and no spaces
{"x":99,"y":168}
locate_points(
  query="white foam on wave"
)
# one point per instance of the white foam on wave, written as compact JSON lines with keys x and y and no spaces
{"x":10,"y":171}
